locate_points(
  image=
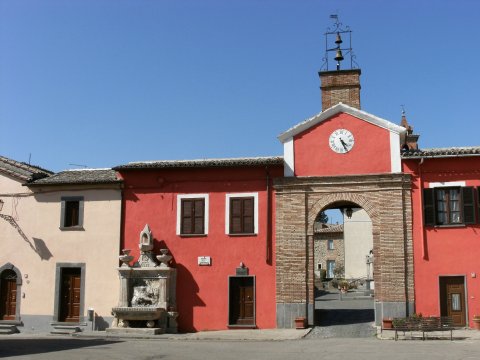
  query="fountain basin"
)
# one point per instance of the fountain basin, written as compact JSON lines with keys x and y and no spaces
{"x":138,"y":312}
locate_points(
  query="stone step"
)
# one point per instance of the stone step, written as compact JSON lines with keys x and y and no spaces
{"x":65,"y":329}
{"x":8,"y":329}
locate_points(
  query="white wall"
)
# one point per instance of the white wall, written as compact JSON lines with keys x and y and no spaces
{"x":358,"y":243}
{"x":41,"y":244}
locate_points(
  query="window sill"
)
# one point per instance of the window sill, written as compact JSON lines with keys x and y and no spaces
{"x":72,"y":228}
{"x":450,"y":226}
{"x":242,"y":234}
{"x":192,"y":235}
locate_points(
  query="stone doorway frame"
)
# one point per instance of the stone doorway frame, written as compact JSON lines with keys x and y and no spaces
{"x":387,"y":200}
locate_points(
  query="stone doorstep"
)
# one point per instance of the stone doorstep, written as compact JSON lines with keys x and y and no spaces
{"x":65,"y":330}
{"x":8,"y":329}
{"x":138,"y":331}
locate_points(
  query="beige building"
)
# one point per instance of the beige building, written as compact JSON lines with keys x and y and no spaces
{"x":60,"y":236}
{"x":358,"y":243}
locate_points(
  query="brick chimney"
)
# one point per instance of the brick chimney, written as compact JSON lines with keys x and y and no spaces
{"x":340,"y":86}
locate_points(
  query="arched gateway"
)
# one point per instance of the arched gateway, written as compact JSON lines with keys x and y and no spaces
{"x":343,"y":155}
{"x":386,"y":199}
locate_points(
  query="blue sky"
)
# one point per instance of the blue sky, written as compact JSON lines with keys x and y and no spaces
{"x":101,"y":83}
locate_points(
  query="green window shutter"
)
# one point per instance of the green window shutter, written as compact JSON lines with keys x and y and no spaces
{"x":236,"y":216}
{"x":478,"y":203}
{"x":187,"y":211}
{"x":429,"y":207}
{"x":468,"y":200}
{"x":248,"y":215}
{"x":199,"y":216}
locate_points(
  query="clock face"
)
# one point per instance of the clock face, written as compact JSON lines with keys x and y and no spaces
{"x":341,"y":141}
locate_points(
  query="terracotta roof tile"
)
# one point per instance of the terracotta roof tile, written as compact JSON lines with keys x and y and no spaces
{"x":81,"y":176}
{"x":22,"y":170}
{"x":202,"y":163}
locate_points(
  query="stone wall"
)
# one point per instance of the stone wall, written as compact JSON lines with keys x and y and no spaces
{"x":386,"y":199}
{"x":322,"y":253}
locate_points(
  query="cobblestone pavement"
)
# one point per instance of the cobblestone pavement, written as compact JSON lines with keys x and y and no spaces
{"x":349,"y":315}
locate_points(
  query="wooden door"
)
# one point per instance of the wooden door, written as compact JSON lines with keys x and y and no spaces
{"x":452,"y":299}
{"x":242,"y":301}
{"x":8,"y":295}
{"x":70,"y":295}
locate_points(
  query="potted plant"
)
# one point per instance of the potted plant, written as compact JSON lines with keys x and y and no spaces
{"x":387,"y":323}
{"x":300,"y":322}
{"x":476,"y":322}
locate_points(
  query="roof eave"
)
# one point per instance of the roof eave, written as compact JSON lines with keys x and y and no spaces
{"x":334,"y":110}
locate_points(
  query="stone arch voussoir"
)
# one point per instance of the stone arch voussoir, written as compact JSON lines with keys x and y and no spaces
{"x":328,"y":199}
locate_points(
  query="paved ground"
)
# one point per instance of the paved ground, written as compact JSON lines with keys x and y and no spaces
{"x":347,"y":333}
{"x":339,"y":315}
{"x":338,"y":349}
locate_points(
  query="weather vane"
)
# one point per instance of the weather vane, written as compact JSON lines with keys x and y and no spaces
{"x":341,"y":51}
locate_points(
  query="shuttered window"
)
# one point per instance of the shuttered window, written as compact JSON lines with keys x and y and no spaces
{"x":193,"y":216}
{"x":449,"y":206}
{"x":242,"y":215}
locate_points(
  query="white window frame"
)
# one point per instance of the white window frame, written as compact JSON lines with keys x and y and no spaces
{"x":180,"y":197}
{"x":330,"y":242}
{"x":433,"y":185}
{"x":255,"y":211}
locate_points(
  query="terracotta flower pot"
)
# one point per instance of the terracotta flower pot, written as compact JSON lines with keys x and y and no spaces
{"x":387,"y":323}
{"x":300,"y":323}
{"x":476,"y":322}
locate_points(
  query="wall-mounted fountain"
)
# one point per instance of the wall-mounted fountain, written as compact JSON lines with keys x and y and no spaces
{"x":147,"y":302}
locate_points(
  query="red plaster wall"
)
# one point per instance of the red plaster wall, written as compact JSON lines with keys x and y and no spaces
{"x":202,"y":291}
{"x":370,"y":154}
{"x":444,"y":250}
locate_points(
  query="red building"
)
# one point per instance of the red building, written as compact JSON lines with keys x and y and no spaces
{"x":445,"y":204}
{"x":215,"y":217}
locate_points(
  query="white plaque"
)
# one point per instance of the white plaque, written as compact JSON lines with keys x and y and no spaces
{"x":204,"y":261}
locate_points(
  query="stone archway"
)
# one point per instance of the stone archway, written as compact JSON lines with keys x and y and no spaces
{"x":387,"y":200}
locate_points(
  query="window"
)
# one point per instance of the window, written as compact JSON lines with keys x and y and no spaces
{"x":71,"y":213}
{"x":330,"y":244}
{"x":241,"y":214}
{"x":449,"y":206}
{"x":192,"y":214}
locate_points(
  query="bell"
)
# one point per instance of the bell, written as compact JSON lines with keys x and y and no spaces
{"x":339,"y":56}
{"x":338,"y":40}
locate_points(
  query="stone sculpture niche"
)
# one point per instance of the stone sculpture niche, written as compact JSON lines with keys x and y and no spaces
{"x":147,"y":300}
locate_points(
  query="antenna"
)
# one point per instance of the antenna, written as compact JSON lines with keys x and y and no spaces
{"x":29,"y":158}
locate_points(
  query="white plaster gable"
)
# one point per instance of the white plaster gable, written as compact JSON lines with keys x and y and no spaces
{"x":341,"y":108}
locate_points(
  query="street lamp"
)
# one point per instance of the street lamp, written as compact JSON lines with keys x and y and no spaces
{"x":349,"y":212}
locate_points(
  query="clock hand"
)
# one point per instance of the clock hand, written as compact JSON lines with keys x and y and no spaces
{"x":344,"y":144}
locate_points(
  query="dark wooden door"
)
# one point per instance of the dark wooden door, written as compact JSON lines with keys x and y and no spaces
{"x":70,"y":295}
{"x":242,"y":301}
{"x":8,"y":296}
{"x":452,"y":299}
